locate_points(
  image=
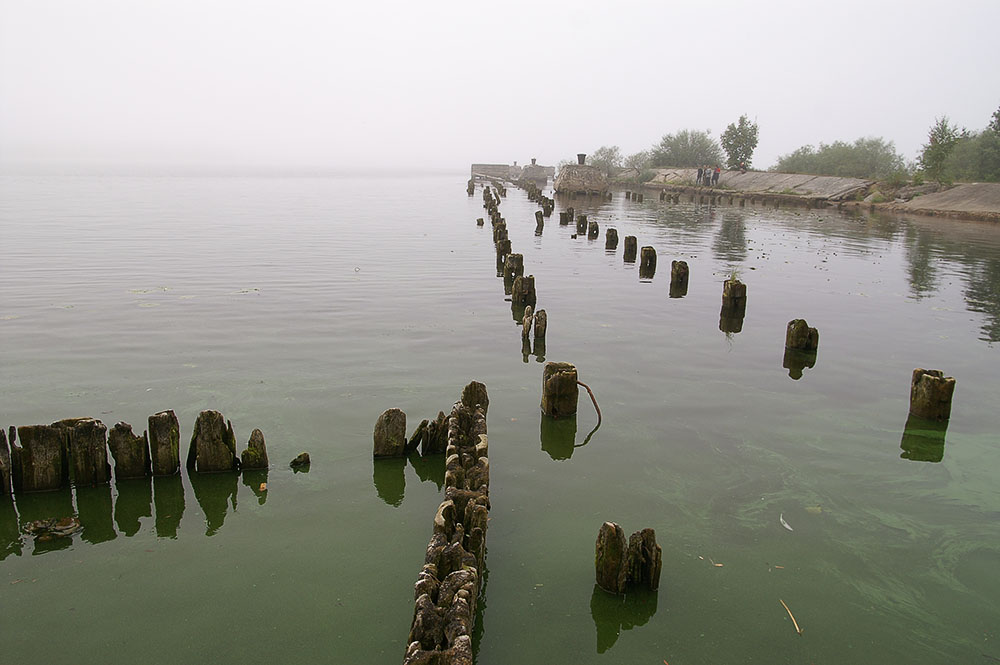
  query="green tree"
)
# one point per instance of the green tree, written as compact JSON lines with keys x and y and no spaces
{"x":739,"y":141}
{"x":686,"y":148}
{"x":941,"y":140}
{"x":638,"y":164}
{"x":607,"y":158}
{"x":870,"y":157}
{"x":994,"y":125}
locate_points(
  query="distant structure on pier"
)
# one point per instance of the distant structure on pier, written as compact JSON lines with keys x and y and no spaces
{"x":534,"y":172}
{"x":581,"y":178}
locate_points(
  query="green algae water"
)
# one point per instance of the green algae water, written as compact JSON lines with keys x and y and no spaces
{"x":306,"y":306}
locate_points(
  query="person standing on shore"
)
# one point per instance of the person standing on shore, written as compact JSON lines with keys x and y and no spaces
{"x":715,"y":175}
{"x":700,"y":172}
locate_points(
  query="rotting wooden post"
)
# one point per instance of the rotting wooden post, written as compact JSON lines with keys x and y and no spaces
{"x":130,"y":452}
{"x":628,"y":195}
{"x":526,"y":322}
{"x":560,"y":392}
{"x":213,"y":444}
{"x":799,"y":336}
{"x":743,"y":202}
{"x":631,"y":246}
{"x":611,"y":558}
{"x":640,"y":197}
{"x":513,"y":266}
{"x":647,"y":263}
{"x":593,"y":231}
{"x":39,"y":459}
{"x":563,"y":218}
{"x":87,"y":442}
{"x":523,"y":292}
{"x":734,"y":305}
{"x":645,"y":559}
{"x":164,"y":443}
{"x":539,"y":221}
{"x":390,"y":434}
{"x":663,"y":195}
{"x":6,"y":489}
{"x":611,"y":239}
{"x":570,"y":213}
{"x":480,"y":221}
{"x":581,"y":224}
{"x":678,"y":279}
{"x":541,"y":324}
{"x":930,"y":394}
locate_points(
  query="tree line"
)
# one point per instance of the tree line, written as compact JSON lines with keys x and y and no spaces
{"x":951,"y":153}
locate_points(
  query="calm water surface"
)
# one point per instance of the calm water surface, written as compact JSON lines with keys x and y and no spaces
{"x":307,"y":306}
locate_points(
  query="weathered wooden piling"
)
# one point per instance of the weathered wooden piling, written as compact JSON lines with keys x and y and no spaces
{"x":663,"y":195}
{"x":390,"y":434}
{"x":631,"y":247}
{"x":560,"y":392}
{"x":523,"y":292}
{"x":581,"y":224}
{"x":539,"y":221}
{"x":541,"y":325}
{"x":799,"y":336}
{"x":639,"y":197}
{"x":39,"y":459}
{"x":448,"y":585}
{"x":480,"y":221}
{"x":611,"y":558}
{"x":930,"y":394}
{"x":593,"y":231}
{"x":213,"y":444}
{"x":436,"y":437}
{"x":611,"y":239}
{"x":628,"y":195}
{"x":130,"y":452}
{"x":164,"y":443}
{"x":619,"y":563}
{"x":513,"y":266}
{"x":254,"y":456}
{"x":647,"y":262}
{"x":301,"y":461}
{"x":563,"y":218}
{"x":526,"y":322}
{"x":734,"y":296}
{"x":678,"y":279}
{"x":87,"y":443}
{"x":570,"y":214}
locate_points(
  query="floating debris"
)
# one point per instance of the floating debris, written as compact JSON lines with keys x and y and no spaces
{"x":781,"y":517}
{"x":45,"y":530}
{"x":791,"y":616}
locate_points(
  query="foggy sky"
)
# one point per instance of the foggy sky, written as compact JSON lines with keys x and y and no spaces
{"x":298,"y":84}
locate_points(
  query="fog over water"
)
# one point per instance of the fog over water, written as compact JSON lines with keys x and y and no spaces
{"x":317,"y":85}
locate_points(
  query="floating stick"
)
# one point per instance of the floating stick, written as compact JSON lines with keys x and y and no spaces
{"x":790,"y":616}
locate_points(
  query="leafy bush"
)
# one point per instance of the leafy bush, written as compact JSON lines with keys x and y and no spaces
{"x":872,"y":157}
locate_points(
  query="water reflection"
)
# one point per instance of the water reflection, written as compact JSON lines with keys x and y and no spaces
{"x":256,"y":480}
{"x":730,"y":243}
{"x":920,"y":262}
{"x":796,"y":360}
{"x":558,"y":436}
{"x":923,"y":440}
{"x":983,"y":295}
{"x":10,"y":535}
{"x":134,"y":501}
{"x":613,"y":614}
{"x":168,"y":499}
{"x":389,"y":474}
{"x":214,"y":493}
{"x":93,"y":505}
{"x":731,"y":320}
{"x":389,"y":479}
{"x":35,"y":506}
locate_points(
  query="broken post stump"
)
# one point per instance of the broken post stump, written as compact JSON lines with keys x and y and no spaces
{"x":390,"y":434}
{"x":301,"y":461}
{"x":581,"y":224}
{"x":6,"y":488}
{"x":647,"y":262}
{"x":164,"y":443}
{"x":593,"y":231}
{"x":474,"y":395}
{"x":734,"y":297}
{"x":930,"y":394}
{"x":213,"y":444}
{"x":611,"y":558}
{"x":39,"y":460}
{"x":799,"y":336}
{"x":560,"y":392}
{"x":87,"y":443}
{"x":523,"y":291}
{"x":645,"y":559}
{"x":611,"y":239}
{"x":513,"y":266}
{"x":631,"y":247}
{"x":526,"y":322}
{"x":255,"y":454}
{"x":130,"y":452}
{"x":541,"y":324}
{"x":436,"y":438}
{"x":563,"y":218}
{"x":678,"y":279}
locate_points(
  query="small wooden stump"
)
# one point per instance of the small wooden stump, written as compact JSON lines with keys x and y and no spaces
{"x":560,"y":392}
{"x":581,"y":224}
{"x":87,"y":442}
{"x":631,"y":247}
{"x":799,"y":336}
{"x":647,"y":263}
{"x":593,"y":231}
{"x":130,"y":452}
{"x":678,"y":279}
{"x":255,"y":455}
{"x":541,"y":324}
{"x":734,"y":297}
{"x":611,"y":239}
{"x":213,"y":444}
{"x":523,"y":291}
{"x":611,"y":558}
{"x":164,"y":443}
{"x":930,"y":394}
{"x":390,"y":434}
{"x":513,"y":266}
{"x":563,"y":218}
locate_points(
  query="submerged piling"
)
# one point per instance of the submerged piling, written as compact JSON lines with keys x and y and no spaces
{"x":631,"y":246}
{"x":678,"y":279}
{"x":593,"y":231}
{"x":647,"y":263}
{"x":611,"y":239}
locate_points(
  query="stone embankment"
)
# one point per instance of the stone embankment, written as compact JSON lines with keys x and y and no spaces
{"x":829,"y":188}
{"x":978,"y":200}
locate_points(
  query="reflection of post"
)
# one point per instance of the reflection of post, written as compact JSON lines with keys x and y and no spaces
{"x":256,"y":480}
{"x":558,"y":436}
{"x":10,"y":535}
{"x":389,"y":479}
{"x":923,"y":440}
{"x":604,"y":609}
{"x":214,"y":492}
{"x":795,"y":361}
{"x":168,"y":499}
{"x":428,"y":467}
{"x":135,"y":501}
{"x":93,"y":505}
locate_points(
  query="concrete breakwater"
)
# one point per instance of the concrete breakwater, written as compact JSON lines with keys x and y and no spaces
{"x":447,"y":589}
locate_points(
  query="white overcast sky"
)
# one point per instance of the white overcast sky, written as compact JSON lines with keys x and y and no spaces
{"x":372,"y":83}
